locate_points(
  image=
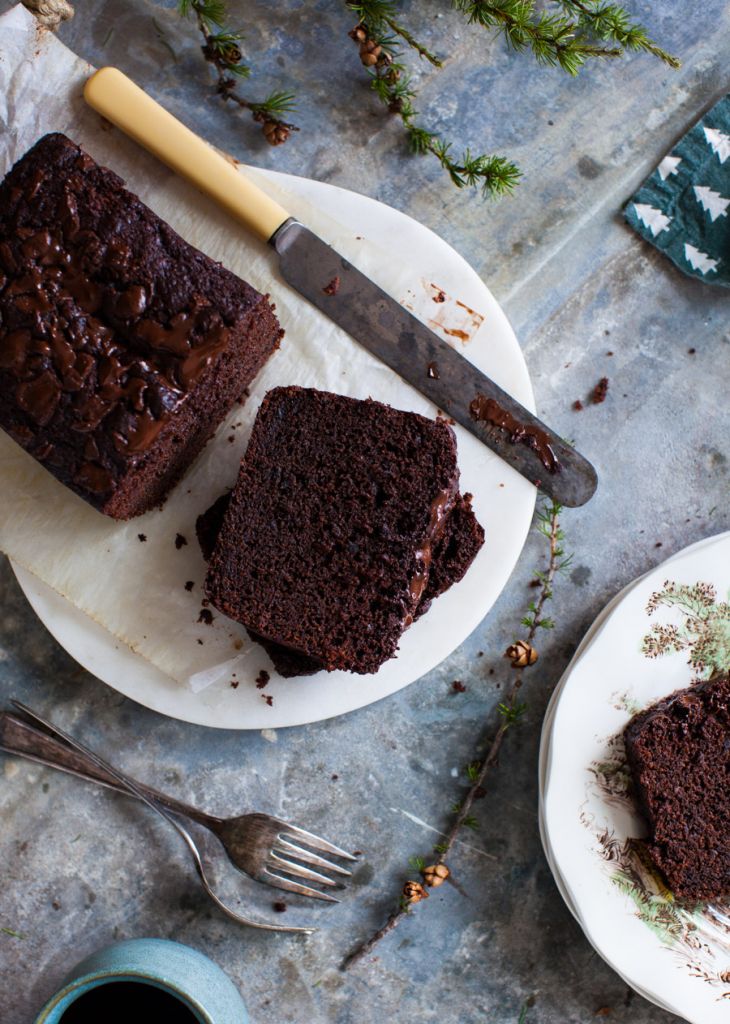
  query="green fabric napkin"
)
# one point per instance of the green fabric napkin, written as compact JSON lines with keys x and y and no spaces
{"x":683,"y":208}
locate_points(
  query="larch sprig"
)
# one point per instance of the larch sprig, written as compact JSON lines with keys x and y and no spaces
{"x":378,"y":35}
{"x":566,"y":39}
{"x":574,"y":32}
{"x":510,"y":711}
{"x":222,"y":49}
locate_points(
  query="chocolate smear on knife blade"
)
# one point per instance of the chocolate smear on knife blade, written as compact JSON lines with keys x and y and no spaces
{"x":488,"y":410}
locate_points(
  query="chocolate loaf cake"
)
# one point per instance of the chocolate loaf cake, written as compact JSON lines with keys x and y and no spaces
{"x":453,"y":553}
{"x":121,"y":346}
{"x":679,"y":756}
{"x":327,"y":543}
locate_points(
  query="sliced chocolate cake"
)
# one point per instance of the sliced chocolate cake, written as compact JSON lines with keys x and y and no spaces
{"x":121,"y":346}
{"x":679,"y":755}
{"x":327,"y":543}
{"x":452,"y":555}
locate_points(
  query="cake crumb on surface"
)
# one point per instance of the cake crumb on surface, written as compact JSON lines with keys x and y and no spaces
{"x":206,"y":617}
{"x":262,"y":679}
{"x":142,"y":537}
{"x":600,"y":391}
{"x":189,"y":584}
{"x":458,"y":687}
{"x":268,"y":698}
{"x":180,"y":541}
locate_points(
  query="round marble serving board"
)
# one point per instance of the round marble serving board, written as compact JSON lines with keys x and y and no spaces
{"x":504,"y":503}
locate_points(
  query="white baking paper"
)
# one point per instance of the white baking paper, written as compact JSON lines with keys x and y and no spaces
{"x":134,"y":588}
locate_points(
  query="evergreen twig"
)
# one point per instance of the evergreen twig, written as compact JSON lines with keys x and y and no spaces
{"x":222,"y":49}
{"x":578,"y":31}
{"x":380,"y":52}
{"x":511,"y":710}
{"x":567,"y":39}
{"x":611,"y":22}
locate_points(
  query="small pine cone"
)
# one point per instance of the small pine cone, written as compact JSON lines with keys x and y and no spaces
{"x":413,"y":892}
{"x":358,"y":33}
{"x":370,"y":52}
{"x":230,"y":55}
{"x":521,"y":654}
{"x":276,"y":132}
{"x":435,"y":875}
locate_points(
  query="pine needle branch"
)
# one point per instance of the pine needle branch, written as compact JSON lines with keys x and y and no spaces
{"x":380,"y":53}
{"x":612,"y":22}
{"x":379,"y":16}
{"x":567,"y":39}
{"x":222,"y":48}
{"x":553,"y":39}
{"x":511,"y":711}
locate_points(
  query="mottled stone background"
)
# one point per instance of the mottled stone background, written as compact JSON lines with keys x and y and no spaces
{"x":80,"y":867}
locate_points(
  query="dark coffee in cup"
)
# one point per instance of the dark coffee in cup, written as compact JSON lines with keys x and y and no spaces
{"x":133,"y":1001}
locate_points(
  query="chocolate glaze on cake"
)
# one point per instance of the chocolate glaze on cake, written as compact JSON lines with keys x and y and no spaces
{"x":330,"y":525}
{"x":679,"y":756}
{"x":121,"y":346}
{"x":453,"y":553}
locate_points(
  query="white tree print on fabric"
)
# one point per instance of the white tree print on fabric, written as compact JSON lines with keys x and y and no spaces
{"x":652,"y":218}
{"x":719,"y":141}
{"x":669,"y":166}
{"x":699,"y":260}
{"x":715,"y":204}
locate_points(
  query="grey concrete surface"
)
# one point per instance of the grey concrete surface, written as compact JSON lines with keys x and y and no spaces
{"x":80,"y":867}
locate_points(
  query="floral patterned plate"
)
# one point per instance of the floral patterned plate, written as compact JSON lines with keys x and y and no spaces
{"x":664,"y":631}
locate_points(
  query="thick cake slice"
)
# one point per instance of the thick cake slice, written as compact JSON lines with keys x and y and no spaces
{"x":327,"y":542}
{"x":121,"y":346}
{"x":679,"y":755}
{"x":453,"y":553}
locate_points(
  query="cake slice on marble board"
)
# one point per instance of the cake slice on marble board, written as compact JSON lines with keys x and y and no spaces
{"x":344,"y":524}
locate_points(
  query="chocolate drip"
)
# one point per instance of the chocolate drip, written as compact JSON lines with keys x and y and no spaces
{"x":489,"y":411}
{"x":440,"y":507}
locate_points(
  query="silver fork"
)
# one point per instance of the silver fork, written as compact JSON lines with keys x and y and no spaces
{"x":264,"y":847}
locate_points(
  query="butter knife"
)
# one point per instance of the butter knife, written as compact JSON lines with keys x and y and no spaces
{"x":352,"y":300}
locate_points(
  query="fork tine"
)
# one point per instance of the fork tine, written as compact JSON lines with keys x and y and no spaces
{"x":279,"y":882}
{"x":284,"y":846}
{"x":311,"y":840}
{"x":292,"y":868}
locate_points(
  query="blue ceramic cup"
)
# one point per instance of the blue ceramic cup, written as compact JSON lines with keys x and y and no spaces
{"x":199,"y":984}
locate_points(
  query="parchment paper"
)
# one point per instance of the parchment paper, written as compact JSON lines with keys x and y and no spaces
{"x":136,"y":589}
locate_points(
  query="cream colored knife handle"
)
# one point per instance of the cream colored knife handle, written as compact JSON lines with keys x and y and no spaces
{"x":118,"y":99}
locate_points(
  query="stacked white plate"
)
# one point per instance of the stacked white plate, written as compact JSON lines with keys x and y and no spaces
{"x":678,"y":958}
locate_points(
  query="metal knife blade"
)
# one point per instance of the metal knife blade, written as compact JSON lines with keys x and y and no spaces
{"x":454,"y":385}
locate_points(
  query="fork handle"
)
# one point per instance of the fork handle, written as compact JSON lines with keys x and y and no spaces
{"x":19,"y":737}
